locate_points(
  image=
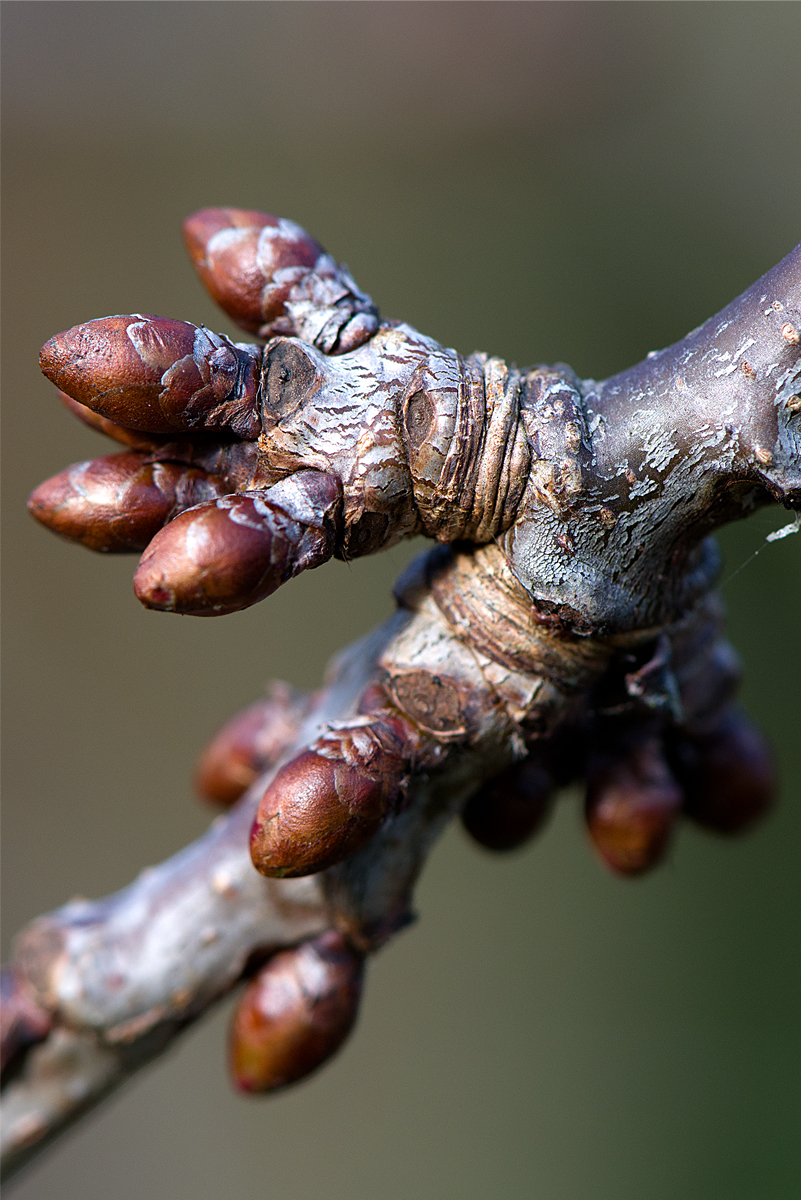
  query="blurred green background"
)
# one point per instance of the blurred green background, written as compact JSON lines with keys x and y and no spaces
{"x":578,"y":182}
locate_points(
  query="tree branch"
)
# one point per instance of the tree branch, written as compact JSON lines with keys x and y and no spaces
{"x":570,"y":633}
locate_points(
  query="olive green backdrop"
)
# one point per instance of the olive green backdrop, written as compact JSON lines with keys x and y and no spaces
{"x":578,"y":182}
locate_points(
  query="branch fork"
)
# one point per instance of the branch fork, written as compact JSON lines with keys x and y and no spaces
{"x":566,"y":629}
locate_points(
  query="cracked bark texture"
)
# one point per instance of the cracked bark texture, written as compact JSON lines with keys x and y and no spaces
{"x":566,"y":629}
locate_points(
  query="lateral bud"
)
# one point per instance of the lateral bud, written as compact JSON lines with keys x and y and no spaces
{"x":632,"y":805}
{"x":295,"y":1014}
{"x":728,"y":774}
{"x":118,"y":503}
{"x":237,"y":251}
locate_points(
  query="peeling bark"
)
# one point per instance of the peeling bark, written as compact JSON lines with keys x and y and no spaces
{"x":567,"y":629}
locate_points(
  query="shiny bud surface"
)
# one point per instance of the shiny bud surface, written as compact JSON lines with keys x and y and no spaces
{"x":156,"y":374}
{"x":224,"y":556}
{"x":118,"y":503}
{"x":325,"y":804}
{"x":237,"y":253}
{"x":295,"y":1014}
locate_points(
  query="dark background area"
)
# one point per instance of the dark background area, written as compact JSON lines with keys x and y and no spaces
{"x":577,"y":182}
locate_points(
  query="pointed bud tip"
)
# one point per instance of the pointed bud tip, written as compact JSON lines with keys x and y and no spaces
{"x":53,"y":356}
{"x":114,"y":366}
{"x":205,"y":563}
{"x":201,"y":226}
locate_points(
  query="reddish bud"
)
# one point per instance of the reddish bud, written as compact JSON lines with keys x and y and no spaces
{"x":224,"y":556}
{"x":248,"y":744}
{"x":156,"y":374}
{"x":632,"y":805}
{"x":118,"y":503}
{"x":23,"y":1022}
{"x":295,"y":1014}
{"x":511,"y":807}
{"x":729,"y":775}
{"x":326,"y":803}
{"x":237,"y":252}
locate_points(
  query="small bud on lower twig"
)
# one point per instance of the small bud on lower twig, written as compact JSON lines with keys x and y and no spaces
{"x":632,"y":805}
{"x":326,"y":803}
{"x":511,"y":808}
{"x":156,"y":374}
{"x":295,"y":1014}
{"x":248,"y":744}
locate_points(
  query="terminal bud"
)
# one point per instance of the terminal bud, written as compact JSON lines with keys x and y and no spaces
{"x":157,"y":375}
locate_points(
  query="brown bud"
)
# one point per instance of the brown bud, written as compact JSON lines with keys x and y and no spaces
{"x":118,"y":503}
{"x":326,"y":803}
{"x":156,"y":374}
{"x":511,"y":807}
{"x":248,"y":744}
{"x":237,"y":252}
{"x":23,"y":1022}
{"x":295,"y":1014}
{"x":632,"y":805}
{"x":728,"y":775}
{"x":224,"y":556}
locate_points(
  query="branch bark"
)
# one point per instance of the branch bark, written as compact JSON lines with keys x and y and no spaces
{"x":569,"y":632}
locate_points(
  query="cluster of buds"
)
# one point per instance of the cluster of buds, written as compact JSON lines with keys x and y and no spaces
{"x":569,"y":633}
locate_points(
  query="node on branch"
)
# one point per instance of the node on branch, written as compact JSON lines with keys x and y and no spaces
{"x":565,"y":630}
